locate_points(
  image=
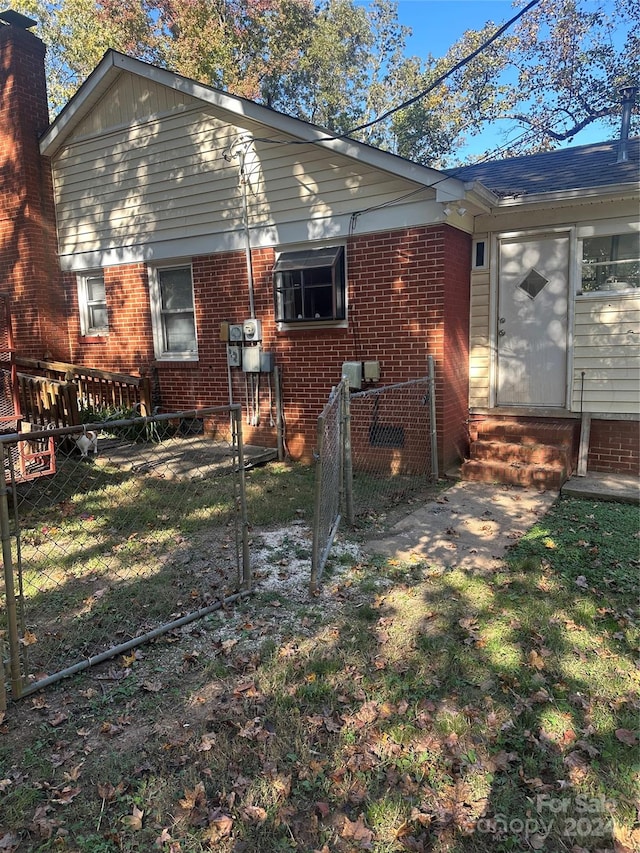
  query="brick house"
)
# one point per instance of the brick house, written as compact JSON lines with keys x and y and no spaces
{"x":194,"y":229}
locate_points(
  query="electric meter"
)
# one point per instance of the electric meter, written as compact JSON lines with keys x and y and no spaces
{"x":252,"y":329}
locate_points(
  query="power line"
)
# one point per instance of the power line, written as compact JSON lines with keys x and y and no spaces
{"x":464,"y":61}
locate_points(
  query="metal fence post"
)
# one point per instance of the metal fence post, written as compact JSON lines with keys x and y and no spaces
{"x":346,"y":451}
{"x":3,"y":692}
{"x":245,"y":580}
{"x":279,"y":418}
{"x":10,"y":594}
{"x":434,"y":433}
{"x":317,"y":509}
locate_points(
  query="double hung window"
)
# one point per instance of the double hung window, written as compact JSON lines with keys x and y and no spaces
{"x":92,"y":302}
{"x":173,"y":316}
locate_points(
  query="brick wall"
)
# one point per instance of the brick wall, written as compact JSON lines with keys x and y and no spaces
{"x":614,"y":447}
{"x":452,"y":363}
{"x":406,"y":299}
{"x":28,"y":261}
{"x":128,"y":348}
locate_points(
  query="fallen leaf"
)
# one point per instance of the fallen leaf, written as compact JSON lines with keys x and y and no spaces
{"x":163,"y":838}
{"x":357,"y":831}
{"x":9,"y":841}
{"x":206,"y":743}
{"x":65,"y":795}
{"x":321,"y":809}
{"x":535,"y":660}
{"x":29,"y":639}
{"x":625,"y":840}
{"x":108,"y":792}
{"x":193,"y":797}
{"x":220,"y":826}
{"x":254,"y":814}
{"x":500,"y":761}
{"x":74,"y":774}
{"x":134,"y":820}
{"x":627,"y":736}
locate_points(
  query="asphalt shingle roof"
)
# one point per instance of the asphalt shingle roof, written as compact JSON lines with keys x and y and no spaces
{"x":582,"y":167}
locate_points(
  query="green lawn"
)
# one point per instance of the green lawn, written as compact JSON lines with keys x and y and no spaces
{"x":408,"y":708}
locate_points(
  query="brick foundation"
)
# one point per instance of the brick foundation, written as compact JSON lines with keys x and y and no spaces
{"x":614,"y":447}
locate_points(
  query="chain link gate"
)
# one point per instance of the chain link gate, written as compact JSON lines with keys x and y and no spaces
{"x":330,"y":459}
{"x":392,"y":443}
{"x":376,"y":449}
{"x":141,"y":528}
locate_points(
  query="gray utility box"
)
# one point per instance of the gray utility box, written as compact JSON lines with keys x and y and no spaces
{"x":254,"y":360}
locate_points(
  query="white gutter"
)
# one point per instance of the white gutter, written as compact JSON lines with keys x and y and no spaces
{"x":601,"y":193}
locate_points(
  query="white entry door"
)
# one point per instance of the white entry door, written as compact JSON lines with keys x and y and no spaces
{"x":533,"y":297}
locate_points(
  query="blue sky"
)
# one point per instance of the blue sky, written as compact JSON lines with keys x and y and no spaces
{"x":437,"y":24}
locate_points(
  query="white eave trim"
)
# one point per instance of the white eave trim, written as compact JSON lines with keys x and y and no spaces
{"x":446,"y":188}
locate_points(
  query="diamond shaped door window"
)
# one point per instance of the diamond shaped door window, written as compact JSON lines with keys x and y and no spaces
{"x":533,"y":283}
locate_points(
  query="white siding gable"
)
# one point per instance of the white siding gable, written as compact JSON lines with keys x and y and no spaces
{"x":152,"y":173}
{"x":131,"y":99}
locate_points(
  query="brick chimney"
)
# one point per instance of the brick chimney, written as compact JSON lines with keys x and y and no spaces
{"x":29,"y":270}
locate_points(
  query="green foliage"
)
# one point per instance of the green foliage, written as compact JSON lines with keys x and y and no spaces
{"x":340,"y":64}
{"x":138,"y":432}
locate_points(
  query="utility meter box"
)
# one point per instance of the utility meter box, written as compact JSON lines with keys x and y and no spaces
{"x":252,"y":330}
{"x":235,"y":333}
{"x":352,"y":370}
{"x":371,"y":371}
{"x":234,"y":355}
{"x":266,"y":362}
{"x":251,"y":357}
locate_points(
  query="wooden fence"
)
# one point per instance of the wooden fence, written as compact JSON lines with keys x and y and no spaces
{"x":54,"y":392}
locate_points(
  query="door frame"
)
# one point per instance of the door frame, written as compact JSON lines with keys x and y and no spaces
{"x":572,"y":279}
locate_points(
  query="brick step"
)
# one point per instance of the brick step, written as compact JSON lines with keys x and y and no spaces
{"x":532,"y":454}
{"x":525,"y":432}
{"x":519,"y":474}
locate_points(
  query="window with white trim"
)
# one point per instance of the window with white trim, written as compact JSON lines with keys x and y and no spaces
{"x":309,"y":285}
{"x":172,"y":312}
{"x":611,"y":263}
{"x":480,"y":254}
{"x":92,"y":304}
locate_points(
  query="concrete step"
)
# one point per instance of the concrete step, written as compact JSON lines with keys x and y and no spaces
{"x":514,"y":474}
{"x":556,"y":433}
{"x":512,"y":452}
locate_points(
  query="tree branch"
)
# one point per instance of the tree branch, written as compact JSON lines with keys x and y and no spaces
{"x":577,"y":126}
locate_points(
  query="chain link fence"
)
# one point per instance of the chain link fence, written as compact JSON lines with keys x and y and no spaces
{"x":141,"y":527}
{"x":376,"y":451}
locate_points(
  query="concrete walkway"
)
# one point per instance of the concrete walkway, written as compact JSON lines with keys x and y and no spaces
{"x":472,"y":524}
{"x":604,"y":487}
